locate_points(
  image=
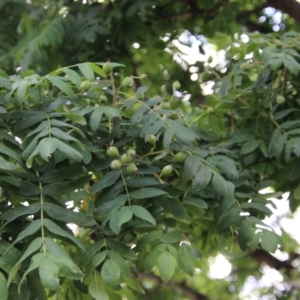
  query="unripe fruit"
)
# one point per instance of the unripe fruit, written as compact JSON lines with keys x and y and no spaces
{"x":210,"y":110}
{"x":126,"y":158}
{"x":176,"y":85}
{"x":280,"y":99}
{"x":131,"y":152}
{"x":85,"y":85}
{"x":167,"y":170}
{"x":107,"y":68}
{"x":131,"y":169}
{"x":179,"y":157}
{"x":143,"y":76}
{"x":112,"y":152}
{"x":128,"y":82}
{"x":166,"y":105}
{"x":245,"y":66}
{"x":152,"y":139}
{"x":103,"y":99}
{"x":116,"y":165}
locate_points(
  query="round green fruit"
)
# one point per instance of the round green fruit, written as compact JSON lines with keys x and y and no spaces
{"x":245,"y":66}
{"x":176,"y":85}
{"x":179,"y":157}
{"x":167,"y":170}
{"x":152,"y":139}
{"x":116,"y":165}
{"x":131,"y":169}
{"x":128,"y":82}
{"x":126,"y":158}
{"x":103,"y":99}
{"x":143,"y":76}
{"x":85,"y":85}
{"x":107,"y":68}
{"x":112,"y":152}
{"x":280,"y":99}
{"x":166,"y":105}
{"x":131,"y":152}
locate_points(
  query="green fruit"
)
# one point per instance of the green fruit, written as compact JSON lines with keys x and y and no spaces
{"x":179,"y":157}
{"x":245,"y":66}
{"x":131,"y":152}
{"x":143,"y":76}
{"x":116,"y":165}
{"x":210,"y":110}
{"x":131,"y":169}
{"x":112,"y":152}
{"x":128,"y":82}
{"x":107,"y":68}
{"x":126,"y":158}
{"x":167,"y":170}
{"x":152,"y":139}
{"x":280,"y":99}
{"x":85,"y":85}
{"x":103,"y":99}
{"x":166,"y":105}
{"x":176,"y":85}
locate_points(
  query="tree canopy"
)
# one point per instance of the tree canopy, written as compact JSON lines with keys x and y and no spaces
{"x":136,"y":138}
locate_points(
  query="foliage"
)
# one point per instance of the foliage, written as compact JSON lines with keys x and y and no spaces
{"x":56,"y":169}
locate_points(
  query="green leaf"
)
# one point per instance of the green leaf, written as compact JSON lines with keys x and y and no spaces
{"x":145,"y":193}
{"x":147,"y":239}
{"x":172,"y":237}
{"x":137,"y":182}
{"x":280,"y":143}
{"x":52,"y":227}
{"x":61,"y":84}
{"x":120,"y":261}
{"x":191,"y":167}
{"x":269,"y":241}
{"x":73,"y":76}
{"x":36,"y":288}
{"x":106,"y":207}
{"x":168,"y":135}
{"x":166,"y":266}
{"x":223,"y":187}
{"x":111,"y":273}
{"x":258,"y":206}
{"x":35,"y":245}
{"x":48,"y":272}
{"x":47,"y":146}
{"x":32,"y":228}
{"x":123,"y":215}
{"x":250,"y":146}
{"x":106,"y":181}
{"x":21,"y":91}
{"x":195,"y":202}
{"x":273,"y":142}
{"x":201,"y":179}
{"x":69,"y":216}
{"x":76,"y":118}
{"x":111,"y":112}
{"x":11,"y":153}
{"x":154,"y":255}
{"x":186,"y":260}
{"x":62,"y":135}
{"x":97,"y":291}
{"x":142,"y":213}
{"x":228,"y":218}
{"x":96,"y":261}
{"x":62,"y":174}
{"x":3,"y":287}
{"x":86,"y":71}
{"x":97,"y":70}
{"x":246,"y":234}
{"x":96,"y":117}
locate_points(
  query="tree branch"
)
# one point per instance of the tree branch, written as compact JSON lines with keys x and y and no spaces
{"x":179,"y":287}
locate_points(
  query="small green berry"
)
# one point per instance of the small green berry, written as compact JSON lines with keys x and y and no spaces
{"x":126,"y":158}
{"x":152,"y":139}
{"x":116,"y":165}
{"x":167,"y":170}
{"x":166,"y":105}
{"x":131,"y":152}
{"x":85,"y":85}
{"x":179,"y":157}
{"x":128,"y":82}
{"x":103,"y":99}
{"x":107,"y":68}
{"x":131,"y":169}
{"x":112,"y":152}
{"x":176,"y":85}
{"x":143,"y":76}
{"x":280,"y":99}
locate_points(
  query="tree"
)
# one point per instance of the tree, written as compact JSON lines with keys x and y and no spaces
{"x":155,"y":184}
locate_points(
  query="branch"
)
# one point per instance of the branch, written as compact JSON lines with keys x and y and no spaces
{"x":263,"y":256}
{"x":179,"y":287}
{"x":290,"y":7}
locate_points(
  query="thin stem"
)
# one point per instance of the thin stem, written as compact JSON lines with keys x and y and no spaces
{"x":114,"y":90}
{"x":126,"y":189}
